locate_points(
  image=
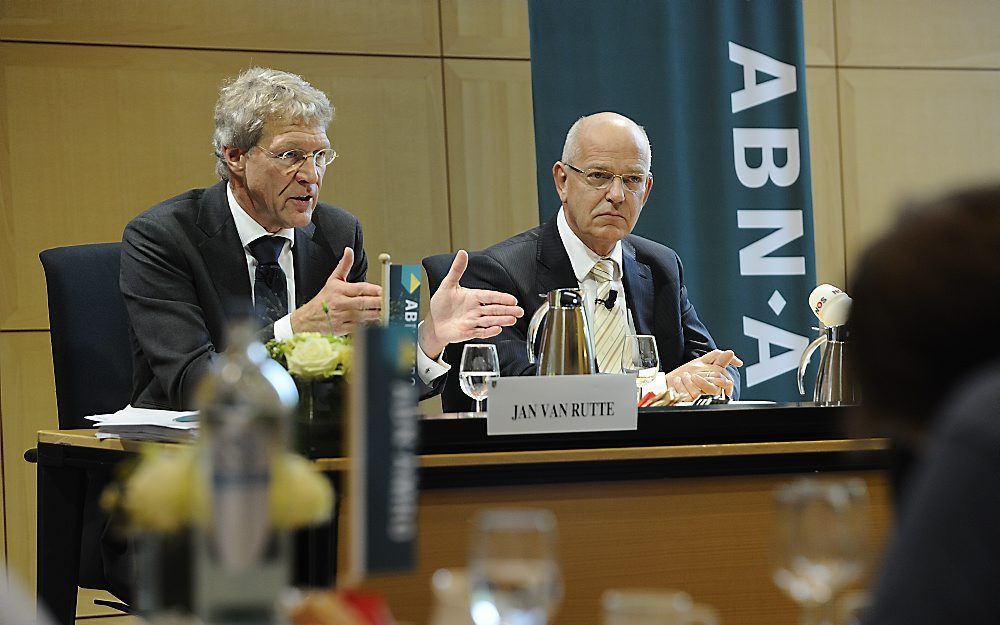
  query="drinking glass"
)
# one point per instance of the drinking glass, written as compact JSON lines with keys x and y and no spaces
{"x":820,"y":542}
{"x":641,"y":358}
{"x":479,"y":369}
{"x":514,"y":576}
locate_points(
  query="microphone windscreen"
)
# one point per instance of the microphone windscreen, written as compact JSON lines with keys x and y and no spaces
{"x":830,"y":305}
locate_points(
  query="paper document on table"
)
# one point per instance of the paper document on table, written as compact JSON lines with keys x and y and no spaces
{"x":145,"y":424}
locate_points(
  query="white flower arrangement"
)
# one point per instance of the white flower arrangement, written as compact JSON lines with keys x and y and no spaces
{"x":313,"y":356}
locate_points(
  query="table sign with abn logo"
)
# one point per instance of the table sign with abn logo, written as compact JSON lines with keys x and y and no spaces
{"x":562,"y":403}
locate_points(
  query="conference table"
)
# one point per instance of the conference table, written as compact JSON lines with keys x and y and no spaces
{"x":683,"y":502}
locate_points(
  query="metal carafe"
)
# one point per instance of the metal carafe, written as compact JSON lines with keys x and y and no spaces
{"x":566,"y":347}
{"x":835,"y":382}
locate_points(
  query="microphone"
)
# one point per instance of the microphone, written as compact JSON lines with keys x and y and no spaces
{"x":610,"y":302}
{"x":830,"y":305}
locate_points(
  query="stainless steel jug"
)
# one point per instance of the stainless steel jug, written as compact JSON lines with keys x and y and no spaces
{"x":835,"y":382}
{"x":566,"y":346}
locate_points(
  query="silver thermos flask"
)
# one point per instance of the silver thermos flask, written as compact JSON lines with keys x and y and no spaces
{"x":566,"y":346}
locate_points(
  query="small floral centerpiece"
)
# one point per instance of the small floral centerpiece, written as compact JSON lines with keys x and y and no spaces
{"x":313,"y":356}
{"x":320,"y":365}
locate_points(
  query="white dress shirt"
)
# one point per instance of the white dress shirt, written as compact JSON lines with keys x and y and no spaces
{"x":583,"y":260}
{"x":249,"y":231}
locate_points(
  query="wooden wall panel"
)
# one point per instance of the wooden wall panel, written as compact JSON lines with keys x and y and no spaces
{"x":912,"y":133}
{"x":824,"y":159}
{"x":817,"y":17}
{"x":3,"y":516}
{"x":28,"y":404}
{"x":125,"y":128}
{"x":374,"y":26}
{"x":491,"y":150}
{"x":707,"y":536}
{"x":494,"y":28}
{"x":918,"y":33}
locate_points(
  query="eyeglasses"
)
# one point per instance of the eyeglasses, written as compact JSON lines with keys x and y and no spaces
{"x":292,"y":160}
{"x":602,"y":179}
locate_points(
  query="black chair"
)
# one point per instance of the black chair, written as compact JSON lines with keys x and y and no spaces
{"x":91,"y":354}
{"x":92,"y":362}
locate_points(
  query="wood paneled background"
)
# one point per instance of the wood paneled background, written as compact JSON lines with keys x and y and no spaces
{"x":105,"y":109}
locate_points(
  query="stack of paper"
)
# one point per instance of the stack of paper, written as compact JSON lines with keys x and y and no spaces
{"x":143,"y":424}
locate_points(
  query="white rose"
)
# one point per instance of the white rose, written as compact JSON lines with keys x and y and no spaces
{"x":313,"y":357}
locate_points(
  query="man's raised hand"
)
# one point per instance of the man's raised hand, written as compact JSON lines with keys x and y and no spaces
{"x":346,"y":303}
{"x":460,"y":314}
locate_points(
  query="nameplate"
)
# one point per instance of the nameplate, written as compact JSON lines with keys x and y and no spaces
{"x":551,"y":404}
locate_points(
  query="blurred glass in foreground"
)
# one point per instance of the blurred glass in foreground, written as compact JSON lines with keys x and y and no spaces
{"x":820,"y":542}
{"x":514,"y":576}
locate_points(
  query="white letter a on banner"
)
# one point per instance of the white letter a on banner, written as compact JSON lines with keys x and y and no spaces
{"x":753,"y":92}
{"x":772,"y":366}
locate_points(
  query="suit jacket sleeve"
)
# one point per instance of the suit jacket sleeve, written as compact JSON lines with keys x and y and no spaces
{"x":166,"y":317}
{"x":697,"y":340}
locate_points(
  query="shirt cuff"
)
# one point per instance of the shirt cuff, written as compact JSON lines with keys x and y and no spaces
{"x":430,"y":370}
{"x":283,"y":328}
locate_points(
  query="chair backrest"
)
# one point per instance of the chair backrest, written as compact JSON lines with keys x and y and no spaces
{"x":437,"y":267}
{"x":91,"y":352}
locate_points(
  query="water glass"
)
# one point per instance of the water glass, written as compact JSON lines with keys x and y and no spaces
{"x":641,"y":358}
{"x":514,"y":576}
{"x":480,"y":368}
{"x":820,"y":541}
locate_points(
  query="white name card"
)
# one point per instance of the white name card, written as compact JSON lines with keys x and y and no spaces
{"x":550,"y":404}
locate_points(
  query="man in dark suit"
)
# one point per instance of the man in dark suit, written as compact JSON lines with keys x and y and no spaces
{"x":260,"y":238}
{"x":603,"y":181}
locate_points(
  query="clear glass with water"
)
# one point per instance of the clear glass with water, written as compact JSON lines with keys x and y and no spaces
{"x":480,"y":367}
{"x":514,"y":576}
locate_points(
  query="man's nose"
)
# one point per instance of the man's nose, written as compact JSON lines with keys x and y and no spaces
{"x":308,"y":172}
{"x":616,"y":190}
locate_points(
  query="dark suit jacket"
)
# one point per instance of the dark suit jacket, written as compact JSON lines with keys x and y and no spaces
{"x":535,"y":262}
{"x":184,"y":279}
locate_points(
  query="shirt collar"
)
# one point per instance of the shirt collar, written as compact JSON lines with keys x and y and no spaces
{"x":582,"y":257}
{"x":248,"y":228}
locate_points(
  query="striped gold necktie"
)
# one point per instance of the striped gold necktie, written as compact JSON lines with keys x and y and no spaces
{"x":609,"y":325}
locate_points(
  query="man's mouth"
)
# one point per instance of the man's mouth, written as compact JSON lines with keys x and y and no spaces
{"x":302,"y":201}
{"x":613,"y":215}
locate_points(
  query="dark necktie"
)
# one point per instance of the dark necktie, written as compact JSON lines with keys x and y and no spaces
{"x":270,"y":288}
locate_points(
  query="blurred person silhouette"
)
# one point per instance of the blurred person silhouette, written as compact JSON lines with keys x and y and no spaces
{"x":927,"y":355}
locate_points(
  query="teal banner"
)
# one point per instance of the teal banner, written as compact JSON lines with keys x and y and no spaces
{"x":720,"y":88}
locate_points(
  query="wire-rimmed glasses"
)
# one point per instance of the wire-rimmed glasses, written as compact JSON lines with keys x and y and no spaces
{"x":292,"y":160}
{"x":602,"y":178}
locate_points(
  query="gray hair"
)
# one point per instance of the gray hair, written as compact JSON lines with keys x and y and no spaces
{"x":571,"y":145}
{"x":256,"y":96}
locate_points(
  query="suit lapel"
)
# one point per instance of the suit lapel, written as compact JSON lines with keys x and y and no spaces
{"x":554,"y":268}
{"x":222,"y":251}
{"x":306,"y":255}
{"x":638,"y":289}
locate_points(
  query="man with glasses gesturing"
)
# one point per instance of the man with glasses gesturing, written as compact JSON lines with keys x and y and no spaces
{"x":261,"y":237}
{"x":603,"y":181}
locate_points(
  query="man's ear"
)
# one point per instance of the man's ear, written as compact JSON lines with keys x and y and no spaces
{"x":559,"y":177}
{"x":234,"y":160}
